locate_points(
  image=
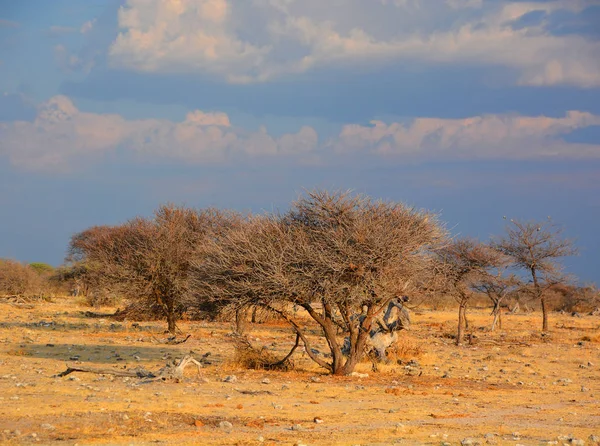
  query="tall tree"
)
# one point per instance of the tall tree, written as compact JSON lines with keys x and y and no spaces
{"x":536,"y":248}
{"x":333,"y":254}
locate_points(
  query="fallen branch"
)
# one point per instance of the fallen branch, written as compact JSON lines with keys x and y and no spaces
{"x":171,"y":340}
{"x":170,"y":371}
{"x":255,"y":392}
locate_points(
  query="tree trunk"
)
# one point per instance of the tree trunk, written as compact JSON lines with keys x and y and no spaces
{"x":493,"y":328}
{"x":171,"y":322}
{"x":544,"y":314}
{"x":241,"y":316}
{"x":461,"y":319}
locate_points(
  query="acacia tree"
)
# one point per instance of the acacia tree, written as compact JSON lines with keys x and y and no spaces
{"x":462,"y":264}
{"x":332,"y":254}
{"x":496,"y":285}
{"x":148,"y":260}
{"x":536,"y":248}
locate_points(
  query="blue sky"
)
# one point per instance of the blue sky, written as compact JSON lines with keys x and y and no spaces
{"x":475,"y":109}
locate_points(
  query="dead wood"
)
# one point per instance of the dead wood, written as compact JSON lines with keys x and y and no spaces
{"x":171,"y":340}
{"x":171,"y":371}
{"x":255,"y":392}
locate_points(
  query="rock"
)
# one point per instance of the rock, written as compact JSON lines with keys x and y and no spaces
{"x":230,"y":379}
{"x":359,"y":375}
{"x":297,"y":427}
{"x":594,"y":438}
{"x":48,"y":427}
{"x":577,"y":442}
{"x":318,"y":420}
{"x":392,"y":411}
{"x":584,"y":389}
{"x":469,"y":442}
{"x":266,"y":381}
{"x":315,"y":379}
{"x":225,"y":425}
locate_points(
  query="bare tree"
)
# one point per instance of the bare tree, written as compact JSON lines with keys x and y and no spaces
{"x":148,"y":260}
{"x":462,"y":264}
{"x":536,"y":247}
{"x":496,"y":285}
{"x":334,"y":255}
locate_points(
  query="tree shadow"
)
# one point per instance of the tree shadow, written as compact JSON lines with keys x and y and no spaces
{"x":123,"y":356}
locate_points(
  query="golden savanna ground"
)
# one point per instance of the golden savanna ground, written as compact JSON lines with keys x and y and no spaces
{"x":513,"y":386}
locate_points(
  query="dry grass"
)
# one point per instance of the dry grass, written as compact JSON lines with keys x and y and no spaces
{"x":507,"y":382}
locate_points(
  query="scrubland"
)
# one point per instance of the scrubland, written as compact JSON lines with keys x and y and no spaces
{"x":512,"y":386}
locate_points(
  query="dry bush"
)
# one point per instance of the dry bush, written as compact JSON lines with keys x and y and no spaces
{"x":249,"y":357}
{"x":570,"y":298}
{"x":404,"y":349}
{"x":17,"y":279}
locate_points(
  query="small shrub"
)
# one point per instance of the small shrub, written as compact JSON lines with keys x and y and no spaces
{"x":249,"y":357}
{"x":405,"y":348}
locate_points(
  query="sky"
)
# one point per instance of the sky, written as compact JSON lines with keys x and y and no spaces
{"x":473,"y":109}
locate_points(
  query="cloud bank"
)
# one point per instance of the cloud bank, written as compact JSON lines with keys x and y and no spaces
{"x":262,"y":40}
{"x":61,"y":137}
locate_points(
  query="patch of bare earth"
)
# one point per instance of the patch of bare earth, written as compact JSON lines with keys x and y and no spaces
{"x":512,"y":386}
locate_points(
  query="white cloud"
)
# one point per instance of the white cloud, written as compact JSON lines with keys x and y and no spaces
{"x":62,"y":136}
{"x":488,"y":136}
{"x":259,"y":40}
{"x":87,"y":26}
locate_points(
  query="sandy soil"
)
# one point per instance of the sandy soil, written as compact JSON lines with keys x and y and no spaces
{"x":512,"y":386}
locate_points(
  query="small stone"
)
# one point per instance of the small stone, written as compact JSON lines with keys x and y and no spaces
{"x":315,"y":379}
{"x":125,"y":417}
{"x":594,"y":438}
{"x":260,"y":439}
{"x":359,"y":375}
{"x":225,"y":425}
{"x":230,"y":379}
{"x":297,"y":427}
{"x":318,"y":420}
{"x":266,"y":381}
{"x":392,"y":411}
{"x":47,"y":426}
{"x":584,"y":389}
{"x":577,"y":442}
{"x":468,"y":442}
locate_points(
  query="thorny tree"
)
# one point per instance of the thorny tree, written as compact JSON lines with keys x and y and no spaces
{"x":536,"y":247}
{"x":334,"y":255}
{"x":461,"y":264}
{"x":148,"y":260}
{"x":497,"y":286}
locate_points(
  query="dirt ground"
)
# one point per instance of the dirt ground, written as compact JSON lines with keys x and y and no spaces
{"x":512,"y":386}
